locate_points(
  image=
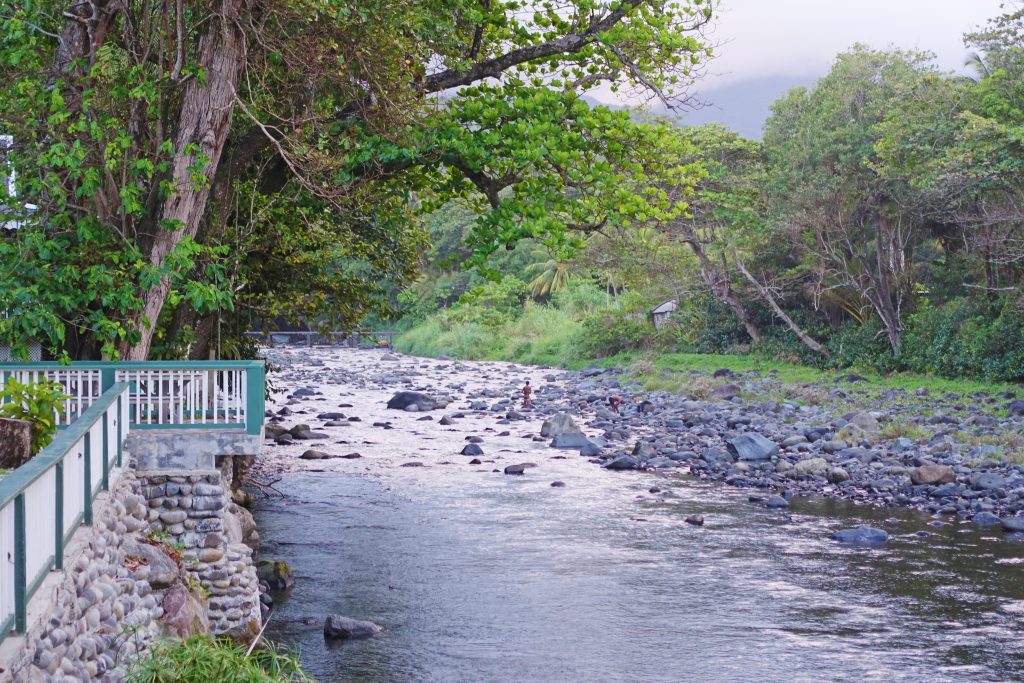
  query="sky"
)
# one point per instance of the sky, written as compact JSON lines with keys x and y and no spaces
{"x":761,"y":38}
{"x":765,"y":47}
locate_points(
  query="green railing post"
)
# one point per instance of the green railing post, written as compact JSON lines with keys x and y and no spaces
{"x":106,"y":450}
{"x":58,"y":498}
{"x":120,"y":437}
{"x":255,"y":390}
{"x":20,"y":568}
{"x":106,"y":378}
{"x":87,"y":513}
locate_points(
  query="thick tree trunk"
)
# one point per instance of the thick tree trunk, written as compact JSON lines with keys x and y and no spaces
{"x":201,"y":133}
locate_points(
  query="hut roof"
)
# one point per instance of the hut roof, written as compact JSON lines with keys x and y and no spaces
{"x":666,"y":307}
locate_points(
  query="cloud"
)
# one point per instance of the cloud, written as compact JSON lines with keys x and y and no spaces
{"x":801,"y":37}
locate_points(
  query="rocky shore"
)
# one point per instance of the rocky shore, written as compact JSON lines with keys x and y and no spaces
{"x":940,"y":454}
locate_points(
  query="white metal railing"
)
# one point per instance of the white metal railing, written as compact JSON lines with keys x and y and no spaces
{"x":43,"y":502}
{"x":161,"y":394}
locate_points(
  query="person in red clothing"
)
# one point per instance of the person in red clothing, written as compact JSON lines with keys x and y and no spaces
{"x":527,"y":390}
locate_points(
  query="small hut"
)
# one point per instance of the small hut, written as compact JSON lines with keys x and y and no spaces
{"x":663,"y":312}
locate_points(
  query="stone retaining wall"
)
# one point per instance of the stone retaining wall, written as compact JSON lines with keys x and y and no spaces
{"x":190,"y":509}
{"x":123,"y":585}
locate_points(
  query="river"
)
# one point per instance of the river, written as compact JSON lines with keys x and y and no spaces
{"x":480,"y":576}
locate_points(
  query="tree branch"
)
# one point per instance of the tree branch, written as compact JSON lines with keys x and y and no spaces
{"x":493,"y":68}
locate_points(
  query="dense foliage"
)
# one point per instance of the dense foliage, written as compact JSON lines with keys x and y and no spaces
{"x":186,"y":168}
{"x":878,"y":224}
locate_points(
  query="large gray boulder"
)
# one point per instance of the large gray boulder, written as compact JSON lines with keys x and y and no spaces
{"x":344,"y":628}
{"x":404,"y":399}
{"x":561,"y":423}
{"x":752,"y":447}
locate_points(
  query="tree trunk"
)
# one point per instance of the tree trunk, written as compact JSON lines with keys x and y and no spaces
{"x":717,"y":281}
{"x":766,"y":294}
{"x":201,"y":133}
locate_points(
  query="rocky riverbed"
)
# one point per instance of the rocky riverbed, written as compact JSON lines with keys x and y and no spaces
{"x":485,"y":553}
{"x":946,"y":464}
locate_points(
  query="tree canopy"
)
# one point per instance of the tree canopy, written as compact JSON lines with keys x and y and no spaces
{"x":188,"y":161}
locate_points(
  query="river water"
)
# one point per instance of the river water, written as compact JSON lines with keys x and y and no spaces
{"x":478,"y":576}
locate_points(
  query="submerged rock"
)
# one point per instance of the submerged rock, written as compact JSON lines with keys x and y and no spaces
{"x":861,"y":535}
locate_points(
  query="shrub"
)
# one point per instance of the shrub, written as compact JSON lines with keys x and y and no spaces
{"x":606,"y":334}
{"x":38,"y":403}
{"x":861,"y":345}
{"x":964,"y":338}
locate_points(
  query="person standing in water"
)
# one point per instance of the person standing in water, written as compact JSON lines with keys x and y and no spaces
{"x":527,"y":390}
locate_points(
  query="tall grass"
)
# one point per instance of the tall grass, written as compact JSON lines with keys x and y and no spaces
{"x":203,"y":659}
{"x":541,"y":335}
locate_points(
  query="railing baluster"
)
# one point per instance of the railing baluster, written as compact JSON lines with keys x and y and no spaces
{"x":58,"y":515}
{"x":20,"y":565}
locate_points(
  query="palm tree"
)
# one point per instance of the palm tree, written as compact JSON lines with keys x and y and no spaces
{"x":975,"y":61}
{"x":548,"y":277}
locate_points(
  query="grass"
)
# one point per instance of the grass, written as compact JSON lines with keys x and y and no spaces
{"x":202,"y":659}
{"x":790,"y":373}
{"x":546,"y":335}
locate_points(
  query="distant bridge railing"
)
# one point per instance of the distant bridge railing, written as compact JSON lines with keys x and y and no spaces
{"x":43,"y":502}
{"x":308,"y":337}
{"x":161,"y":394}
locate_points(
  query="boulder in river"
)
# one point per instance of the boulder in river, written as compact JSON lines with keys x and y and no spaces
{"x":777,"y":503}
{"x":517,"y":469}
{"x":752,"y":446}
{"x":403,"y":399}
{"x":560,"y":423}
{"x":985,"y":518}
{"x":932,"y":474}
{"x":276,"y":574}
{"x":1013,"y":525}
{"x":313,"y":454}
{"x":344,"y":628}
{"x":574,"y":440}
{"x":988,"y":481}
{"x":625,"y":462}
{"x":861,"y":535}
{"x":472,"y":449}
{"x":810,"y":467}
{"x":717,"y":456}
